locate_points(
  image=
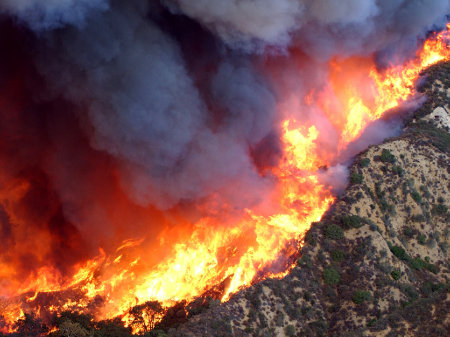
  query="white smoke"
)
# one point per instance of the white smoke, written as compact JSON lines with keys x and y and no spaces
{"x":245,"y":20}
{"x":321,"y":27}
{"x":343,"y":12}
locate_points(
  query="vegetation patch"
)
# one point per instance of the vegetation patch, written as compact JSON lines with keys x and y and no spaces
{"x":360,"y":296}
{"x":416,"y":196}
{"x":356,"y":178}
{"x":337,"y":255}
{"x":330,"y":276}
{"x":334,"y":232}
{"x":289,"y":330}
{"x":399,"y":252}
{"x":422,"y":239}
{"x":310,"y":238}
{"x":438,"y":137}
{"x":439,"y":209}
{"x":396,"y":274}
{"x":354,"y":221}
{"x":397,"y":169}
{"x":364,"y":162}
{"x":387,"y":156}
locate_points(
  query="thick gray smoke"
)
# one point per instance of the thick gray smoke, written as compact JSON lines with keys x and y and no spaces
{"x":322,"y":27}
{"x":246,"y":21}
{"x":49,"y":14}
{"x":146,"y":112}
{"x":181,"y":126}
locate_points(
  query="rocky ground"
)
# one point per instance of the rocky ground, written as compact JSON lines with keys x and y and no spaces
{"x":378,"y":262}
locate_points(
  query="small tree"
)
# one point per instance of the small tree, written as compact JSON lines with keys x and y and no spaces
{"x":145,"y":316}
{"x":356,"y":178}
{"x":387,"y":156}
{"x":71,"y":329}
{"x":396,"y":274}
{"x":331,"y":276}
{"x":360,"y":296}
{"x":333,"y":232}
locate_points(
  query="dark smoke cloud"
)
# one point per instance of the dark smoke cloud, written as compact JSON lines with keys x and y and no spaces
{"x":146,"y":112}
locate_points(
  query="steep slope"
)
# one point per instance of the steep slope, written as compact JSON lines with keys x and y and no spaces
{"x":378,"y":262}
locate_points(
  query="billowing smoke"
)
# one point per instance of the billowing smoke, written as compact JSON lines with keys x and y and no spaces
{"x":50,"y":14}
{"x":117,"y":115}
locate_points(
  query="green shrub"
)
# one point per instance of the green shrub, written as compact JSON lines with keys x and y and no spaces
{"x":422,"y":239}
{"x":428,"y":287}
{"x":439,"y":209}
{"x":425,"y":191}
{"x":408,"y":232}
{"x":387,"y":156}
{"x":330,"y":276}
{"x":310,"y":238}
{"x":364,"y":162}
{"x":409,"y":291}
{"x":438,"y":137}
{"x":399,"y":252}
{"x":289,"y":330}
{"x":360,"y":296}
{"x":337,"y":255}
{"x":396,"y":274}
{"x":356,"y":178}
{"x":397,"y":169}
{"x":352,"y":221}
{"x":432,"y":268}
{"x":371,"y":322}
{"x":304,"y":261}
{"x":333,"y":232}
{"x":417,"y":263}
{"x":416,"y":196}
{"x":386,"y":207}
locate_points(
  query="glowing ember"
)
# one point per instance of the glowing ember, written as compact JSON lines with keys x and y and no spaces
{"x":248,"y":247}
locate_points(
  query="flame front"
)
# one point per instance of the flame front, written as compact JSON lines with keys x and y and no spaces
{"x":255,"y":244}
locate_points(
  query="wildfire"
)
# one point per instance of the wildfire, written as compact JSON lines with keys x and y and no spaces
{"x":254,"y":245}
{"x":358,"y":93}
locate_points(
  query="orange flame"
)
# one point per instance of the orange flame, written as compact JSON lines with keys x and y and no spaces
{"x":353,"y":99}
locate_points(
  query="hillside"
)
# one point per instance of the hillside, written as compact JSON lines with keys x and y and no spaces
{"x":378,"y":262}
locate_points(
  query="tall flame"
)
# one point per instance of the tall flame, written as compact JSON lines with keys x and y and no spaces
{"x":255,"y":245}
